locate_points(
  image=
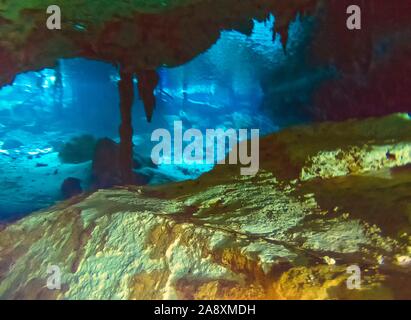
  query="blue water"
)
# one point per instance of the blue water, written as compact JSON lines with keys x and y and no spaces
{"x":240,"y":82}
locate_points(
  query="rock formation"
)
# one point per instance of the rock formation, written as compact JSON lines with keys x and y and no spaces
{"x":141,"y":36}
{"x":107,"y":169}
{"x":78,"y":149}
{"x":316,"y":207}
{"x":71,"y":187}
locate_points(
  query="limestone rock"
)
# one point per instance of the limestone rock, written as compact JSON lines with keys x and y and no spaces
{"x":226,"y":236}
{"x":78,"y":149}
{"x":71,"y":187}
{"x":106,"y":166}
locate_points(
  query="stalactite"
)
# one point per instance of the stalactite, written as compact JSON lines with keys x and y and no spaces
{"x":126,"y":92}
{"x":281,"y":26}
{"x":147,"y":82}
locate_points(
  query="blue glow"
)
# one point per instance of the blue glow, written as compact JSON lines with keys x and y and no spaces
{"x":225,"y":87}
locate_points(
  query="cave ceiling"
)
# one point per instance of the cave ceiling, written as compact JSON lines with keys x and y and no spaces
{"x":141,"y":35}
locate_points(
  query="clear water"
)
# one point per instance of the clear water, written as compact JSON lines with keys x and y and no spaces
{"x":240,"y":82}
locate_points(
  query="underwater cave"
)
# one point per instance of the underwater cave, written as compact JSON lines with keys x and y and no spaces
{"x":79,"y":106}
{"x":52,"y":118}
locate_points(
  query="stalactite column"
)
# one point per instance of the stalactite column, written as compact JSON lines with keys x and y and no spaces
{"x":126,"y":92}
{"x":147,"y":82}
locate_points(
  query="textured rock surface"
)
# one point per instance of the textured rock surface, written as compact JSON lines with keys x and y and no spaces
{"x":288,"y":233}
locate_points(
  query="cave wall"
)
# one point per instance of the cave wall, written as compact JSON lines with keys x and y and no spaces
{"x":373,"y":63}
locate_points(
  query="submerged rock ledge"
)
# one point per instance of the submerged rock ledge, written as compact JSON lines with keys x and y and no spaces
{"x":327,"y":196}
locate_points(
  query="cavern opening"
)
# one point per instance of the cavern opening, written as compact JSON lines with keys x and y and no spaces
{"x":124,"y":79}
{"x":53,"y":119}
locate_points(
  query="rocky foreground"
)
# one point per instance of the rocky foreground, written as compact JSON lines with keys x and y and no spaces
{"x":327,"y":197}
